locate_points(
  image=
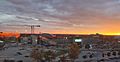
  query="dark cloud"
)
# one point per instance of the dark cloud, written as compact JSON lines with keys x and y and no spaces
{"x":90,"y":14}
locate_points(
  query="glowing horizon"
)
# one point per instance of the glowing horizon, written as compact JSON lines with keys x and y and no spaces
{"x":15,"y":33}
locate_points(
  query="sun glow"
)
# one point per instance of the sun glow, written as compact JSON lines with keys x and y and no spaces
{"x":9,"y":34}
{"x":117,"y":33}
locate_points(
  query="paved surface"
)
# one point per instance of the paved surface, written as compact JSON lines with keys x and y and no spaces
{"x":11,"y":53}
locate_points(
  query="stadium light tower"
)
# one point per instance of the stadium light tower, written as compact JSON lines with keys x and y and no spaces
{"x":33,"y":28}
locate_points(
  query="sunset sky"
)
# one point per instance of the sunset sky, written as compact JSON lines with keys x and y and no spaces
{"x":61,"y":16}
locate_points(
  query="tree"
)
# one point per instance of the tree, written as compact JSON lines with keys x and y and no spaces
{"x":74,"y":51}
{"x":63,"y":59}
{"x":37,"y":55}
{"x":49,"y":55}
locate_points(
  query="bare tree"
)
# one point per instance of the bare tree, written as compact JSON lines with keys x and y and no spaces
{"x":37,"y":55}
{"x":49,"y":56}
{"x":74,"y":51}
{"x":63,"y":59}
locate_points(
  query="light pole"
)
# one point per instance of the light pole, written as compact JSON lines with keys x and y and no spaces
{"x":32,"y":28}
